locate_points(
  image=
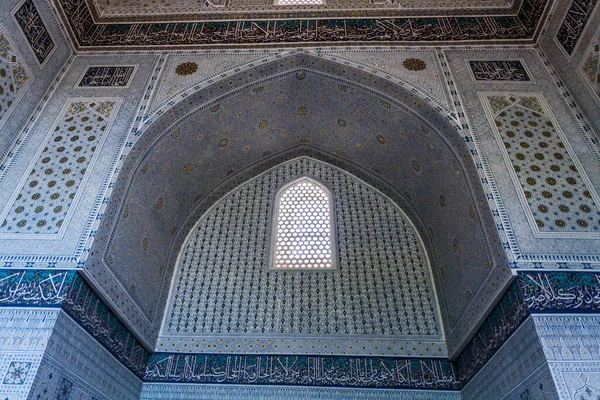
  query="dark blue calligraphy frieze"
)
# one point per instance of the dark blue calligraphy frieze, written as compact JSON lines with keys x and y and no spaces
{"x":337,"y":371}
{"x":272,"y":30}
{"x":89,"y":311}
{"x":35,"y":31}
{"x":499,"y":71}
{"x":556,"y":292}
{"x":574,"y":23}
{"x":107,"y":77}
{"x":37,"y":288}
{"x":503,"y":321}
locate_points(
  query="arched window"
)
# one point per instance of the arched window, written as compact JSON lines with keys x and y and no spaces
{"x":303,"y":235}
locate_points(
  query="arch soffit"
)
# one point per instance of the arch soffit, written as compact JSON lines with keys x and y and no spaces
{"x":208,"y":97}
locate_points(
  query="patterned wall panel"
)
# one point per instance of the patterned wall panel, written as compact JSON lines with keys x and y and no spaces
{"x":54,"y":180}
{"x":340,"y":371}
{"x":499,"y":71}
{"x":106,"y":76}
{"x":569,"y":337}
{"x":15,"y":76}
{"x":77,"y":363}
{"x":589,"y":70}
{"x":24,"y":334}
{"x":35,"y":30}
{"x":574,"y":24}
{"x":556,"y":193}
{"x":382,"y":287}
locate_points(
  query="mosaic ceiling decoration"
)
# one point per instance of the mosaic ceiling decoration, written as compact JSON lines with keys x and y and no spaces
{"x":514,"y":25}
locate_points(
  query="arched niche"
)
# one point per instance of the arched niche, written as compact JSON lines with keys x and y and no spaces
{"x":379,"y":300}
{"x":227,"y":133}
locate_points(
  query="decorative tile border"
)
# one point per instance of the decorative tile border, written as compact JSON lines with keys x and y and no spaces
{"x":97,"y":76}
{"x":35,"y":31}
{"x":267,"y":32}
{"x":561,"y":292}
{"x":36,"y":288}
{"x":323,"y":371}
{"x":499,"y":70}
{"x":508,"y":314}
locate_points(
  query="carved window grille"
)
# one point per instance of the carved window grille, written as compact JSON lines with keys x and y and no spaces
{"x":303,"y":236}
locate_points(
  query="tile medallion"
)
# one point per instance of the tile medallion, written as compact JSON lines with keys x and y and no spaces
{"x":35,"y":31}
{"x":557,"y":195}
{"x":17,"y":373}
{"x":513,"y":70}
{"x":54,"y":180}
{"x":107,"y":76}
{"x":15,"y":76}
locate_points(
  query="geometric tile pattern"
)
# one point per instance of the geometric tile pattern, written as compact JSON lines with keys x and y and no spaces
{"x":499,"y":71}
{"x":574,"y":24}
{"x":13,"y":74}
{"x":107,"y":77}
{"x":340,"y":371}
{"x":545,"y":171}
{"x":44,"y":200}
{"x":35,"y":31}
{"x":223,"y":284}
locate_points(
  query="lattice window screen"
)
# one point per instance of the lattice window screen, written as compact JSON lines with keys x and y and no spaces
{"x":303,"y":227}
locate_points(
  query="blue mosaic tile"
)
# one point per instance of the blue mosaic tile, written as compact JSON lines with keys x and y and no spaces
{"x":560,"y":292}
{"x":35,"y":30}
{"x":39,"y":288}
